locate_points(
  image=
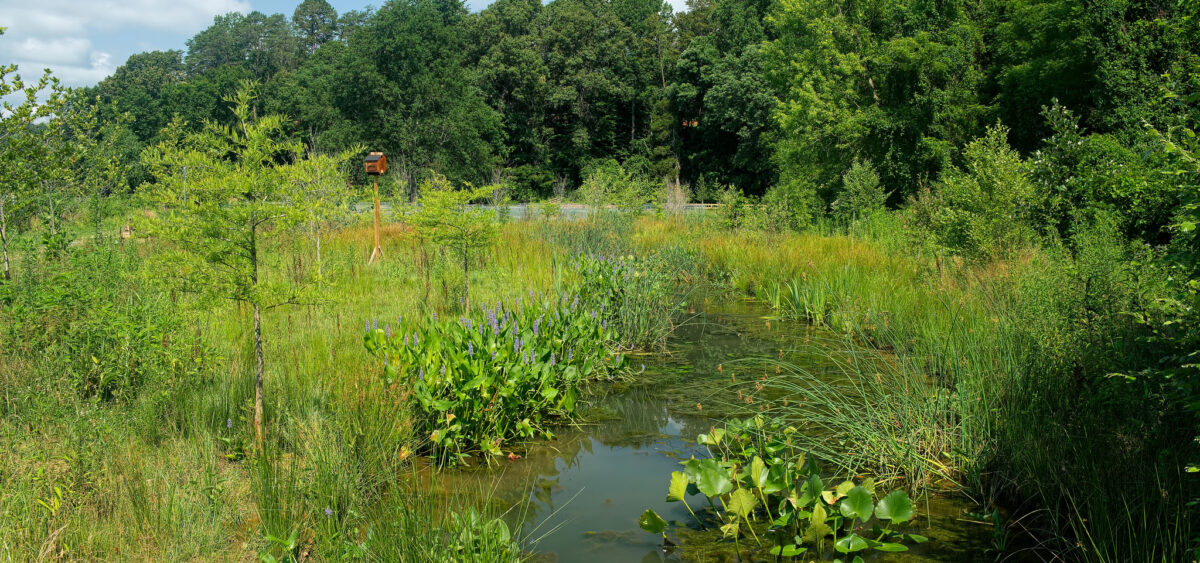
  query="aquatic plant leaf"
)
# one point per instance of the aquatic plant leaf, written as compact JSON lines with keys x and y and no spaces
{"x":742,"y":502}
{"x":869,"y":485}
{"x":713,"y":479}
{"x":844,"y":487}
{"x":887,"y":546}
{"x":776,"y":479}
{"x":857,"y":504}
{"x":758,"y":472}
{"x":790,"y":550}
{"x":677,"y":491}
{"x":812,"y":490}
{"x":915,"y":538}
{"x":652,"y":522}
{"x":895,"y":507}
{"x":850,"y":544}
{"x":731,"y":529}
{"x":816,"y":532}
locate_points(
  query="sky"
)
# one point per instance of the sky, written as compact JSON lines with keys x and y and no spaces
{"x":83,"y":41}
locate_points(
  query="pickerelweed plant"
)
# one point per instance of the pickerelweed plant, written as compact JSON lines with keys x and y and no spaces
{"x":756,"y":479}
{"x":500,"y":374}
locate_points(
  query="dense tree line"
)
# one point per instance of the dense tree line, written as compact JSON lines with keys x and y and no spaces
{"x":748,"y":93}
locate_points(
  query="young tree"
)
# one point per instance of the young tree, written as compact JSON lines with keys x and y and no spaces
{"x":25,"y":154}
{"x":322,"y":181}
{"x":222,"y":195}
{"x":443,"y":215}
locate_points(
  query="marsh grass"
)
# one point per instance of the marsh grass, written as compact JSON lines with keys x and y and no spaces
{"x":989,"y":379}
{"x":164,"y":471}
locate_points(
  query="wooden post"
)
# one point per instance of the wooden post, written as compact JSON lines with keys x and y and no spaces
{"x":377,"y":253}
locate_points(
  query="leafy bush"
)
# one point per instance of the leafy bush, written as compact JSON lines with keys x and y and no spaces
{"x":982,"y":210}
{"x":785,"y":207}
{"x":861,"y":195}
{"x":608,"y":182}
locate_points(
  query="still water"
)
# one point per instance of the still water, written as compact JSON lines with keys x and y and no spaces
{"x":577,"y":497}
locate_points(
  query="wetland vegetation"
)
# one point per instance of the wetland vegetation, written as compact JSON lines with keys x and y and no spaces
{"x":940,"y":305}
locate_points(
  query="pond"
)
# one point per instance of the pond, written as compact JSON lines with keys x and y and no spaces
{"x":578,"y":496}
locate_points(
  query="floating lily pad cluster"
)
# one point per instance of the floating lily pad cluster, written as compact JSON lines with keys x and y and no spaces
{"x":756,"y":480}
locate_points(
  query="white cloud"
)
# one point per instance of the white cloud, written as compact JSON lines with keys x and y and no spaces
{"x":59,"y":33}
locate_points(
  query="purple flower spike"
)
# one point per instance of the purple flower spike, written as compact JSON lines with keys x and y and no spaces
{"x":416,"y":339}
{"x":375,"y":323}
{"x":399,"y":320}
{"x":421,"y":374}
{"x":551,"y":359}
{"x":368,"y":327}
{"x":570,"y":354}
{"x":387,"y":330}
{"x":470,"y":348}
{"x":228,"y":423}
{"x":443,"y":369}
{"x":328,"y":512}
{"x":435,"y":316}
{"x":493,"y":356}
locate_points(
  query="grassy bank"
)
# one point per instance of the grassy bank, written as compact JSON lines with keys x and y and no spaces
{"x":126,"y":423}
{"x":995,"y":379}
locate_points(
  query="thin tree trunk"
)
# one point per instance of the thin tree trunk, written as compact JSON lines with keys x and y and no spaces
{"x":4,"y":239}
{"x":318,"y":231}
{"x":258,"y":378}
{"x":466,"y":284}
{"x":258,"y":347}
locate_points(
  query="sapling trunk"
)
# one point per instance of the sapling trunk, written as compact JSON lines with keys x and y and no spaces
{"x":258,"y":348}
{"x":466,"y":283}
{"x":4,"y":239}
{"x":258,"y":378}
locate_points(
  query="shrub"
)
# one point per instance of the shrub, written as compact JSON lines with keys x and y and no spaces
{"x":861,"y":195}
{"x":982,"y":210}
{"x":608,"y":182}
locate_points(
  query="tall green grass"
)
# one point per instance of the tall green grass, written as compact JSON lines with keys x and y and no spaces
{"x":158,"y":466}
{"x":990,"y":379}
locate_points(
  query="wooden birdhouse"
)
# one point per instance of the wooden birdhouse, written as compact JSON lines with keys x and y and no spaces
{"x":376,"y":163}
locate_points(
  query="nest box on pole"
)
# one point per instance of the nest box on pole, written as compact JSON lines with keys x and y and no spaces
{"x":376,"y":164}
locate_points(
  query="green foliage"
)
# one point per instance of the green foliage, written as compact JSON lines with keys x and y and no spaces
{"x":92,"y":322}
{"x":608,"y":182}
{"x":755,"y":472}
{"x":443,"y":215}
{"x":217,"y":192}
{"x":861,"y":195}
{"x":983,"y":209}
{"x":503,"y":375}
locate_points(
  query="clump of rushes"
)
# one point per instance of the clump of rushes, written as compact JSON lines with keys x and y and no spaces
{"x":634,"y":296}
{"x":500,"y":374}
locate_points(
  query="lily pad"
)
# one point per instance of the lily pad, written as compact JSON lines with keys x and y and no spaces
{"x":652,"y":522}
